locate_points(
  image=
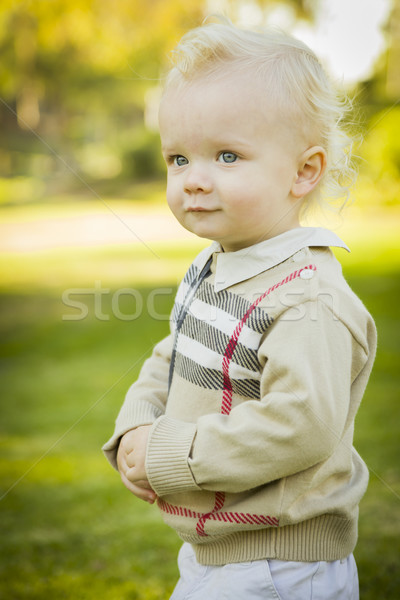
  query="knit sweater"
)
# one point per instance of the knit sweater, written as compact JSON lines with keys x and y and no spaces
{"x":251,"y":448}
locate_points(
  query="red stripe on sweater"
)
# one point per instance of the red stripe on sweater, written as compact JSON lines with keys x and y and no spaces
{"x":218,"y":504}
{"x":226,"y":405}
{"x":216,"y":515}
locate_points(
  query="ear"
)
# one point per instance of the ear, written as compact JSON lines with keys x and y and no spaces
{"x":312,"y":165}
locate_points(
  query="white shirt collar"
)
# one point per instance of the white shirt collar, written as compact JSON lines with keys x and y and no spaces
{"x":234,"y":267}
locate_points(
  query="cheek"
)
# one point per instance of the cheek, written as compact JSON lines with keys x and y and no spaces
{"x":175,"y":201}
{"x":242,"y":202}
{"x":249,"y":208}
{"x":246,"y":186}
{"x":172,"y":196}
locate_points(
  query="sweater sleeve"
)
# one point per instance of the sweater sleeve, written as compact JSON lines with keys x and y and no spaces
{"x":145,"y":400}
{"x":310,"y":360}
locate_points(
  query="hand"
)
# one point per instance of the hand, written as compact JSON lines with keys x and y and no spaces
{"x":131,"y":463}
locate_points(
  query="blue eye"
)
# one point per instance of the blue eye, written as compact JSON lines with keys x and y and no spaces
{"x":228,"y":157}
{"x":180,"y":161}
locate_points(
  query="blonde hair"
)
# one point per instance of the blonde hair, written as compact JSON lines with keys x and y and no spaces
{"x":297,"y":82}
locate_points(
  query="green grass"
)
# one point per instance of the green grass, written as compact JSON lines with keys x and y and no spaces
{"x":68,"y":527}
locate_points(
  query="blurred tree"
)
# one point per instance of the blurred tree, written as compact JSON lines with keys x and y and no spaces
{"x":303,"y":9}
{"x":55,"y":51}
{"x":76,"y":72}
{"x":80,"y":74}
{"x":380,"y":167}
{"x":393,"y":54}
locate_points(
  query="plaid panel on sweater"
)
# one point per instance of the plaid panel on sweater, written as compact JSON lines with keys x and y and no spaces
{"x":209,"y":321}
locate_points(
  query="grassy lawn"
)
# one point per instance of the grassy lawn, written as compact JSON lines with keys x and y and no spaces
{"x":69,"y":529}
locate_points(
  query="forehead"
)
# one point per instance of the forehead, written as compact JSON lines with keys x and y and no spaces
{"x":226,"y":101}
{"x":235,"y":86}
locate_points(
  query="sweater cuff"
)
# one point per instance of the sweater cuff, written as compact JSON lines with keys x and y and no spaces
{"x":168,"y":451}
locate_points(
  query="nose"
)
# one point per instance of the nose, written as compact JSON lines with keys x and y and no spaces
{"x":197,"y":180}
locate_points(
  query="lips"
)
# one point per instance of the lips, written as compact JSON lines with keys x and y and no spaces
{"x":199,"y":209}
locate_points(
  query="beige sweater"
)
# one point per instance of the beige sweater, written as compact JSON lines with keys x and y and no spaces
{"x":251,"y":451}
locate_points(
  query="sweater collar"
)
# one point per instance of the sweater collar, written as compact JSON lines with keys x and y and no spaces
{"x":235,"y":267}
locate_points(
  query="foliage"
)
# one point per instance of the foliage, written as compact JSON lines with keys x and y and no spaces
{"x":53,"y":46}
{"x":73,"y":80}
{"x":380,"y":167}
{"x":75,"y":83}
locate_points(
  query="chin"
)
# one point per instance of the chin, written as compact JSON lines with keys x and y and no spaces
{"x":200,"y":232}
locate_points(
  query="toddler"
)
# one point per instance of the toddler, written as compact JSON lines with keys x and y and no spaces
{"x":240,"y":425}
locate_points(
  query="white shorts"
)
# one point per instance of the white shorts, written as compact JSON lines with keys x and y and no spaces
{"x":265,"y":580}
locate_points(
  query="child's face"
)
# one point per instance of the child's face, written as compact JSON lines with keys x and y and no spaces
{"x":231,"y":160}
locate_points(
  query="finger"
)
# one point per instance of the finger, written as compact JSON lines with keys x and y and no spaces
{"x":133,"y":475}
{"x":126,"y":459}
{"x":121,"y":461}
{"x":127,"y":440}
{"x":143,"y":483}
{"x":147,"y":495}
{"x":130,"y":459}
{"x":127,"y":471}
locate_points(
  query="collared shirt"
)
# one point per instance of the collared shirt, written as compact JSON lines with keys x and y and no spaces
{"x":262,"y":393}
{"x":234,"y":267}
